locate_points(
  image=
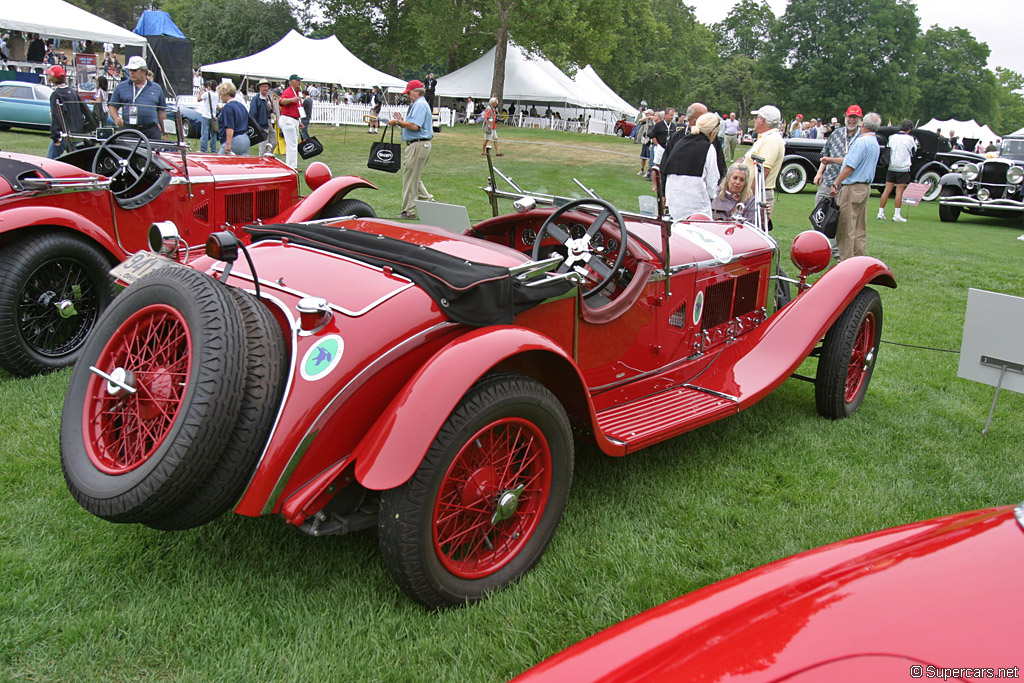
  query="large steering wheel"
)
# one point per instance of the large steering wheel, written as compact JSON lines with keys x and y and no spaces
{"x":583,"y":256}
{"x":125,"y":178}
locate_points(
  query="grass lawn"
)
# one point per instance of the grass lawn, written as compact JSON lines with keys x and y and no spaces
{"x":249,"y":599}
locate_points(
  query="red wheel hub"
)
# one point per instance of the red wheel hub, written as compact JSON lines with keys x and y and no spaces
{"x":861,"y":357}
{"x":122,"y":430}
{"x":492,"y":498}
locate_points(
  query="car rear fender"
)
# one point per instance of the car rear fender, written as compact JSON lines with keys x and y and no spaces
{"x":24,"y":221}
{"x":765,"y":357}
{"x":309,"y":207}
{"x":398,"y":441}
{"x":808,"y":165}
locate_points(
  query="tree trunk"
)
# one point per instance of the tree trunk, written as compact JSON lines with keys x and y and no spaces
{"x":501,"y":49}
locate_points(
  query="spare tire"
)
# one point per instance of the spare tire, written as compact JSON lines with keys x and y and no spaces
{"x":265,"y":376}
{"x":348,"y":207}
{"x":176,"y":338}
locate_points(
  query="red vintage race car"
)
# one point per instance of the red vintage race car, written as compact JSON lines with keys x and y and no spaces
{"x":363,"y":373}
{"x":932,"y":600}
{"x":65,"y":222}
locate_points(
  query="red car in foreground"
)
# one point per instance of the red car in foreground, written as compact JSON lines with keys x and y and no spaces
{"x":368,"y":373}
{"x":933,"y":600}
{"x":64,"y":223}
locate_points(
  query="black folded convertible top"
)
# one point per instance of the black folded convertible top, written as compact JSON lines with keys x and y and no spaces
{"x":475,"y":294}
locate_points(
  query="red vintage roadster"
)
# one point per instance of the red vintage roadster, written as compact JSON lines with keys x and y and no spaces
{"x":358,"y":373}
{"x":65,"y":222}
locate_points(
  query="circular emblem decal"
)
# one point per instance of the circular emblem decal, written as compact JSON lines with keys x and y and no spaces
{"x":384,"y":154}
{"x":698,"y":307}
{"x":322,"y":357}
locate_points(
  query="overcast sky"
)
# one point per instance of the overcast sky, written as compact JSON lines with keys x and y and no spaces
{"x":996,"y":22}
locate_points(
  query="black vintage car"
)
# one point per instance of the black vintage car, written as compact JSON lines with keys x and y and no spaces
{"x":991,"y":187}
{"x":933,"y":159}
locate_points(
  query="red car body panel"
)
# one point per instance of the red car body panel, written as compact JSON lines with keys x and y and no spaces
{"x":941,"y":593}
{"x":310,"y":207}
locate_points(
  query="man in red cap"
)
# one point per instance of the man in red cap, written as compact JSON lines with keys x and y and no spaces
{"x":65,"y":106}
{"x":834,"y":151}
{"x":417,"y":132}
{"x":796,"y":127}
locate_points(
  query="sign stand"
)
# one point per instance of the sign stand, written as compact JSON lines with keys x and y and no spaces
{"x":991,"y":352}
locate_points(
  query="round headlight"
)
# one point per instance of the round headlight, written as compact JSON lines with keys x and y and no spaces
{"x":983,"y":194}
{"x":1015,"y":175}
{"x":970,"y":171}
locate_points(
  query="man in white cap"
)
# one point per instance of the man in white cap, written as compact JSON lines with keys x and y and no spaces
{"x":417,"y":132}
{"x":769,"y":146}
{"x":142,"y":100}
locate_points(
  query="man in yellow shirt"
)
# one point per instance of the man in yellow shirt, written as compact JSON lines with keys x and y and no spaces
{"x":769,"y":146}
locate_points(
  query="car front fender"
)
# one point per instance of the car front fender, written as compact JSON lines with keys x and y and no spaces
{"x":954,"y":179}
{"x":23,"y":220}
{"x":333,"y":190}
{"x":764,"y":358}
{"x":398,"y":441}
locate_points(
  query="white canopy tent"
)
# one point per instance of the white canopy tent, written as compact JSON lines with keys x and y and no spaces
{"x":962,"y":129}
{"x":1018,"y":133}
{"x":59,"y":19}
{"x":587,"y":79}
{"x":526,"y":80}
{"x":318,"y":61}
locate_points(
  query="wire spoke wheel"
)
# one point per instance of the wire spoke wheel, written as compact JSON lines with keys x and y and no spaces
{"x":848,"y":355}
{"x":861,"y":357}
{"x":492,"y":497}
{"x":57,"y":307}
{"x":154,"y":349}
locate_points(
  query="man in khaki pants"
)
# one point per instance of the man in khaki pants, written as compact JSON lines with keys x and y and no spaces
{"x":417,"y":133}
{"x":853,"y":187}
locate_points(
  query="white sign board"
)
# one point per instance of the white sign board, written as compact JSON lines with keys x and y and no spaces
{"x":993,"y":335}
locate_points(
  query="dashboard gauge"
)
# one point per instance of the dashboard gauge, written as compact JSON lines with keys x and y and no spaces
{"x":597,"y":241}
{"x":529,"y":236}
{"x":613,"y":245}
{"x":577,"y":230}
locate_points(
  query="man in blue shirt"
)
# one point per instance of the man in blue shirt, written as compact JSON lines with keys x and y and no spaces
{"x":261,"y":107}
{"x":417,"y":132}
{"x":853,"y":187}
{"x":143,"y":102}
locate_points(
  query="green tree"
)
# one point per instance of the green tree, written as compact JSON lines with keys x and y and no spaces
{"x":849,"y":51}
{"x":124,"y":13}
{"x":733,"y":87}
{"x":228,"y":29}
{"x":746,"y":29}
{"x":1009,"y":101}
{"x":955,"y":81}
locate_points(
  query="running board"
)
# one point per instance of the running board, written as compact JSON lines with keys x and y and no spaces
{"x":660,"y":416}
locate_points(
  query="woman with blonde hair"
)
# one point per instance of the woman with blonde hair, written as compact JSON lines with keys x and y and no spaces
{"x":736,"y":188}
{"x":233,"y":122}
{"x":689,"y":170}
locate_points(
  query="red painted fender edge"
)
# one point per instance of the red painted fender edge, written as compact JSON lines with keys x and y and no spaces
{"x":398,"y":441}
{"x":308,"y":207}
{"x":20,"y":217}
{"x":764,"y":358}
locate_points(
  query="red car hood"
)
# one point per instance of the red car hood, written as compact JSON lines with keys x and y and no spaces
{"x":943,"y":593}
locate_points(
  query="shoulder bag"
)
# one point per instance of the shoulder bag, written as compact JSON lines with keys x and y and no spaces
{"x":386,"y":156}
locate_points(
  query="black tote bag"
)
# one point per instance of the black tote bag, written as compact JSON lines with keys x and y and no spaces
{"x":386,"y":156}
{"x":825,"y":217}
{"x":255,"y":131}
{"x":310,"y":147}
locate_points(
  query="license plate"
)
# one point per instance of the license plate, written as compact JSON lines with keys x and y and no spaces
{"x":139,"y":264}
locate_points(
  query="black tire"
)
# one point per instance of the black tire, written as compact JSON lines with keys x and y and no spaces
{"x":136,"y":457}
{"x":783,"y":291}
{"x":792,"y":177}
{"x":949,"y":214}
{"x":265,"y":377}
{"x":620,"y":131}
{"x":420,"y":563}
{"x":848,"y":356}
{"x":931,"y":178}
{"x":187,"y":128}
{"x":348,"y":207}
{"x":37,"y":274}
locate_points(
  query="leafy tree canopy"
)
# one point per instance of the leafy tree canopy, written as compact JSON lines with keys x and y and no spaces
{"x":954,"y":80}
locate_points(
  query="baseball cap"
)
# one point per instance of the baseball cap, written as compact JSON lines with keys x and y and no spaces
{"x":799,"y":116}
{"x":136,"y":62}
{"x":57,"y":71}
{"x":294,"y":77}
{"x":855,"y":110}
{"x":412,"y":85}
{"x":769,"y":112}
{"x":834,"y":120}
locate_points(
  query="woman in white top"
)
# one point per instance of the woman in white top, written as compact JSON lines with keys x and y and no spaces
{"x":690,"y":169}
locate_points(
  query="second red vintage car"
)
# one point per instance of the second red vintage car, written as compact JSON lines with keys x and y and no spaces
{"x":64,"y":222}
{"x":430,"y":383}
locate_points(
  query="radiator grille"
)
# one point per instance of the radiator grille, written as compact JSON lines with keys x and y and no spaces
{"x":678,"y":318}
{"x":238,"y":208}
{"x":717,"y":304}
{"x":202,"y":212}
{"x":267,"y":203}
{"x":746,"y":294}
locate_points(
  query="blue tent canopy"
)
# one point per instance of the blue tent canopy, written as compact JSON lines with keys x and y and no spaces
{"x":157,"y":23}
